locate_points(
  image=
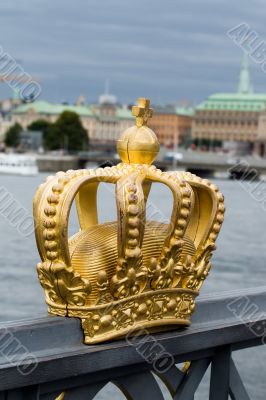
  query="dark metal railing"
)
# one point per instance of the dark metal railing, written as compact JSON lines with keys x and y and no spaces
{"x":46,"y":359}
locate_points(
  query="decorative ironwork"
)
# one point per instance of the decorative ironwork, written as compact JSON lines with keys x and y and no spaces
{"x":55,"y":364}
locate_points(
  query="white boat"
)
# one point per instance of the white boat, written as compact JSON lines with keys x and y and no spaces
{"x":18,"y":164}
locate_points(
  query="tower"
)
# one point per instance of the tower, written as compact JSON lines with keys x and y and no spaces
{"x":244,"y":85}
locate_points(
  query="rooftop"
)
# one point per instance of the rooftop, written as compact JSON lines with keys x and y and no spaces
{"x":242,"y":100}
{"x":47,"y":108}
{"x":171,"y":109}
{"x":234,"y":102}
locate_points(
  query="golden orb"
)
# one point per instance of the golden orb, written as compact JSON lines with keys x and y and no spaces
{"x":139,"y":144}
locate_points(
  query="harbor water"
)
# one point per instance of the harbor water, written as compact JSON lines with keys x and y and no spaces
{"x":239,"y":262}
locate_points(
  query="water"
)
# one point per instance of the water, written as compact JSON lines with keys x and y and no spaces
{"x":238,"y":263}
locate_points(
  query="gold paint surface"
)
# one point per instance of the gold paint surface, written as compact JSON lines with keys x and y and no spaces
{"x":132,"y":273}
{"x":95,"y":249}
{"x":139,"y":144}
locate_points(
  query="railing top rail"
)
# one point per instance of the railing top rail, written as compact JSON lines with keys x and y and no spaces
{"x":234,"y":318}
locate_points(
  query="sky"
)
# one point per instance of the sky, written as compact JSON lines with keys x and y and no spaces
{"x":170,"y":50}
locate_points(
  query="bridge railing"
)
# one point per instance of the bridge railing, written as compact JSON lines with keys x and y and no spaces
{"x":45,"y":358}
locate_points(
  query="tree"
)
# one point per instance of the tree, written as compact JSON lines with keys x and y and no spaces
{"x":67,"y":133}
{"x":12,"y":135}
{"x":41,"y":125}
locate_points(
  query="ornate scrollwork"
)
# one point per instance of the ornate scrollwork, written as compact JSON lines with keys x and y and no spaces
{"x":138,"y":312}
{"x":128,"y":282}
{"x":62,"y":285}
{"x":167,"y":271}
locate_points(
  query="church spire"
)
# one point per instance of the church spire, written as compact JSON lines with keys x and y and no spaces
{"x":244,"y":85}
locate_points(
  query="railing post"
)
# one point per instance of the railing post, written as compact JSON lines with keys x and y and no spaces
{"x":220,"y":374}
{"x":191,"y":382}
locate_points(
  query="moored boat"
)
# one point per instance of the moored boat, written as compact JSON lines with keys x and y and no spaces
{"x":18,"y":164}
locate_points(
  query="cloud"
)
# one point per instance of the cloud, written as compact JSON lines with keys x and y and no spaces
{"x":169,"y":50}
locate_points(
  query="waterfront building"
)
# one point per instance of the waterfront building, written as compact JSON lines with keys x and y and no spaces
{"x":172,"y":124}
{"x":109,"y":119}
{"x":104,"y":121}
{"x":232,"y":118}
{"x":6,"y":106}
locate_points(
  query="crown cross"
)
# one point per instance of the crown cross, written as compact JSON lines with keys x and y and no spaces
{"x":142,"y":112}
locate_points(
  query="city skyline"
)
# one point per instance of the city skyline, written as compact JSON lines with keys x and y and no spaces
{"x":166,"y":55}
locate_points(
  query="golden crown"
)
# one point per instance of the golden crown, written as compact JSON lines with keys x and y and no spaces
{"x":132,"y":273}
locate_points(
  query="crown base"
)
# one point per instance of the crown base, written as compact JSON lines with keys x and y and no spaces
{"x":153,"y":310}
{"x":138,"y":329}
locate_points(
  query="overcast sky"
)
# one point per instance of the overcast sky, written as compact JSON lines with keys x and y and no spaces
{"x":167,"y":50}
